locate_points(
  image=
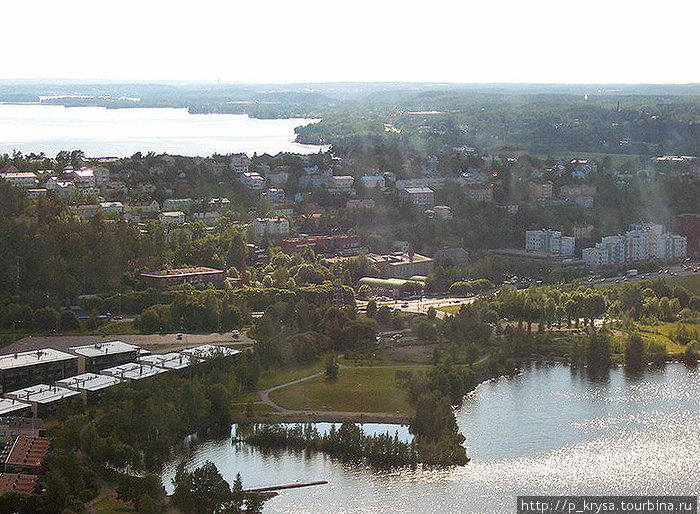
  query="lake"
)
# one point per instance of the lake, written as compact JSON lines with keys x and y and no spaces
{"x":550,"y":430}
{"x":122,"y":132}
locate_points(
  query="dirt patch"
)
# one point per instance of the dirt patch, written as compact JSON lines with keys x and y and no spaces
{"x":156,"y":343}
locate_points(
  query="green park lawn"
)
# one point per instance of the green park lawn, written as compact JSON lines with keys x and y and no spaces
{"x":274,"y":377}
{"x":690,"y":282}
{"x":661,"y":333}
{"x":355,"y":390}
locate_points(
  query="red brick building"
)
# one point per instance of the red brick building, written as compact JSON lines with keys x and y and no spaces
{"x":688,"y":225}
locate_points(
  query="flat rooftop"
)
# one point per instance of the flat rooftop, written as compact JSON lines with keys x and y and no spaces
{"x":9,"y":405}
{"x":209,"y":351}
{"x":28,"y":451}
{"x":108,"y":348}
{"x":133,"y":371}
{"x":18,"y":482}
{"x":179,"y":272}
{"x":31,"y":358}
{"x":89,"y":382}
{"x":171,"y":361}
{"x":42,"y":394}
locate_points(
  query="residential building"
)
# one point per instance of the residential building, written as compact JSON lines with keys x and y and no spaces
{"x":346,"y":244}
{"x":19,"y":483}
{"x":11,"y":407}
{"x":148,"y":206}
{"x":278,"y":176}
{"x":132,"y":371}
{"x":420,"y":196}
{"x":576,"y":190}
{"x":510,"y":208}
{"x":541,"y":190}
{"x":208,"y":218}
{"x":274,"y":194}
{"x":688,"y":225}
{"x":61,"y":188}
{"x":85,"y":211}
{"x":239,"y":162}
{"x":26,"y":454}
{"x":177,"y":204}
{"x":373,"y":181}
{"x":168,"y":361}
{"x":167,"y":217}
{"x":82,"y":178}
{"x":480,"y":192}
{"x":209,"y":351}
{"x":357,"y":204}
{"x":435,"y":182}
{"x":112,"y":207}
{"x":43,"y":398}
{"x":36,"y":192}
{"x":341,"y":184}
{"x":641,"y":242}
{"x":549,"y":241}
{"x":253,"y":180}
{"x":18,"y":370}
{"x":442,"y":212}
{"x":455,"y":256}
{"x":195,"y":275}
{"x":95,"y":357}
{"x":219,"y":203}
{"x":90,"y":386}
{"x":271,"y":226}
{"x":23,"y":179}
{"x":582,"y":230}
{"x":397,"y":264}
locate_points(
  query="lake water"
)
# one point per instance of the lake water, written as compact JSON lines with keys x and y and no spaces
{"x":122,"y":132}
{"x":550,"y":430}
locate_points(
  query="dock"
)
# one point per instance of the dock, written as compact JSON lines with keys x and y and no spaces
{"x":285,"y":486}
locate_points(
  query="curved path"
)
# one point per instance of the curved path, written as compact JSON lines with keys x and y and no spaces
{"x":265,"y":394}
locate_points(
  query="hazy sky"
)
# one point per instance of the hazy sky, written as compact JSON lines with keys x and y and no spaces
{"x":358,"y":40}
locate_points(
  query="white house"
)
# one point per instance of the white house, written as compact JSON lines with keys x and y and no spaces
{"x":271,"y":226}
{"x":177,"y":217}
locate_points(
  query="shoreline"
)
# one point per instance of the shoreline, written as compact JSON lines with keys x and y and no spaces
{"x":325,"y":417}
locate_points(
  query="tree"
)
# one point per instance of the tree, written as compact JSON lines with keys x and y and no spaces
{"x":69,"y":321}
{"x":598,"y":351}
{"x":202,"y":491}
{"x":372,"y":309}
{"x":634,"y":352}
{"x":46,"y":318}
{"x":332,"y":367}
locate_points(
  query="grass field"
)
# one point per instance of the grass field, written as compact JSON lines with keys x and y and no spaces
{"x":661,"y":332}
{"x":690,"y":282}
{"x":277,"y":376}
{"x":355,"y":390}
{"x":450,"y":309}
{"x":109,"y":506}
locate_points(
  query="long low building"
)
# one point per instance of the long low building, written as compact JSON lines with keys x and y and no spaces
{"x":168,"y":361}
{"x":209,"y":351}
{"x":90,"y":385}
{"x":26,"y":454}
{"x":133,"y":371}
{"x":12,"y":407}
{"x":98,"y":356}
{"x":25,"y":369}
{"x":18,"y":482}
{"x":173,"y":277}
{"x":42,"y":397}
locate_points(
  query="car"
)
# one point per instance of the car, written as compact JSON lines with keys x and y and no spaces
{"x":673,"y":273}
{"x":404,"y":305}
{"x":235,"y":334}
{"x":179,"y":337}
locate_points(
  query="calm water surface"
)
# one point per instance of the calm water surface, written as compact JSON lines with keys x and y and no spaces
{"x":551,"y":430}
{"x":122,"y":132}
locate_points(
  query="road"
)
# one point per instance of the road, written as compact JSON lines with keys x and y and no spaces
{"x":669,"y":273}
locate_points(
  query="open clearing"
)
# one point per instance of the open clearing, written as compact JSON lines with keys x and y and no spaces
{"x":355,"y":390}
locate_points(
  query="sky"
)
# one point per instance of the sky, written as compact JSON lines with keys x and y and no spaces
{"x":536,"y":41}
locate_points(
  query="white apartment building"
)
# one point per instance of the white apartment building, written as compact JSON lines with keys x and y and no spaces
{"x":25,"y":179}
{"x":271,"y":226}
{"x":642,"y":242}
{"x":253,"y":180}
{"x":549,"y":241}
